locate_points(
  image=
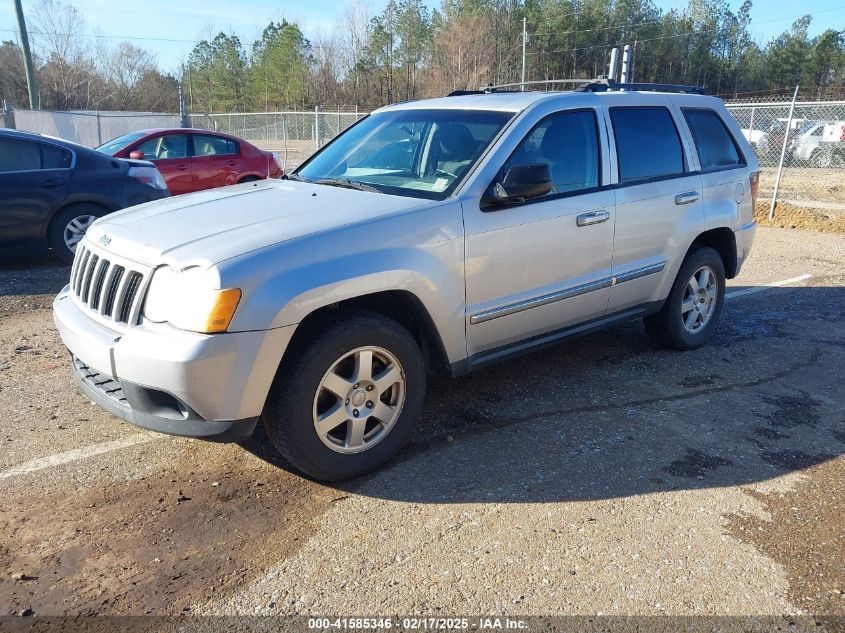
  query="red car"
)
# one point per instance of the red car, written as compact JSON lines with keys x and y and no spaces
{"x":193,"y":160}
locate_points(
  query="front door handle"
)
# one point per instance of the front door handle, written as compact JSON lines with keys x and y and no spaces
{"x":593,"y":217}
{"x":687,"y":197}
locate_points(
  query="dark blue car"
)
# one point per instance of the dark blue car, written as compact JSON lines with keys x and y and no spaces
{"x":52,"y":190}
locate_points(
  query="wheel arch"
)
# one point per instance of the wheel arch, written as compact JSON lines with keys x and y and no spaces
{"x":402,"y":306}
{"x":723,"y":241}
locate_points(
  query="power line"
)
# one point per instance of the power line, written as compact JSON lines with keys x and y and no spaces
{"x":108,"y":37}
{"x":687,"y":34}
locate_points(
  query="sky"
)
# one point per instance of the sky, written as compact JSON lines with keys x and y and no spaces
{"x":170,"y":29}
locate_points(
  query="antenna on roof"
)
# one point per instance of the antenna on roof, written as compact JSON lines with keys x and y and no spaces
{"x":626,"y":64}
{"x":614,"y":62}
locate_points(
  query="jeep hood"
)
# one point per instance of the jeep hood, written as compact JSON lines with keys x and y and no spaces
{"x":209,"y":226}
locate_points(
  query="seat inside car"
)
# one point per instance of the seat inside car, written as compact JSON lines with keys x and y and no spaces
{"x":453,"y":148}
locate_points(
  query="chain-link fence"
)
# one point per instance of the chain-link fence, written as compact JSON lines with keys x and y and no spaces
{"x":294,"y":135}
{"x":90,"y":128}
{"x":808,"y":152}
{"x":815,"y":129}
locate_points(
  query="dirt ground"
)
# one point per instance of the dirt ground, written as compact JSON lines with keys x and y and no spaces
{"x":790,"y":216}
{"x":605,"y":476}
{"x":812,"y":184}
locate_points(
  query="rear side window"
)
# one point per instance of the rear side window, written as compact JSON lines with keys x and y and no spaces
{"x":715,"y":146}
{"x":207,"y":145}
{"x":56,"y":157}
{"x":647,"y":143}
{"x":18,"y":155}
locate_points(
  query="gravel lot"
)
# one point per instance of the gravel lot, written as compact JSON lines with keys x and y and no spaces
{"x":604,"y":476}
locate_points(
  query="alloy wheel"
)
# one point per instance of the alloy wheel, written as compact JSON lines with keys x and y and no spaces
{"x":75,"y":230}
{"x":700,"y":299}
{"x":359,"y":399}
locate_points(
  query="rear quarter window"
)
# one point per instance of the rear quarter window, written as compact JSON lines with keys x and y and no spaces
{"x":56,"y":157}
{"x":647,"y":143}
{"x":714,"y":144}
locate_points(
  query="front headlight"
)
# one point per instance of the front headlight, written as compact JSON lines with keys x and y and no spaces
{"x":187,"y":300}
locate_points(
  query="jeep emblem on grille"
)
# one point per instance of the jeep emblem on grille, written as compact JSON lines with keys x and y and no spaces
{"x":105,"y":240}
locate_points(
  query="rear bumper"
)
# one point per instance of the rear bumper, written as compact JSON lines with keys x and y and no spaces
{"x":172,"y":381}
{"x":744,"y":239}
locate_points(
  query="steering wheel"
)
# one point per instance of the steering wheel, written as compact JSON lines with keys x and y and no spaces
{"x":443,"y":172}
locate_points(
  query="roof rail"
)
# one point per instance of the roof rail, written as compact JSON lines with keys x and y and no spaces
{"x":519,"y":84}
{"x":606,"y":85}
{"x":602,"y":84}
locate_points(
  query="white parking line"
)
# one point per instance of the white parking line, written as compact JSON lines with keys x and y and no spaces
{"x":760,"y":288}
{"x":76,"y":454}
{"x":140,"y":438}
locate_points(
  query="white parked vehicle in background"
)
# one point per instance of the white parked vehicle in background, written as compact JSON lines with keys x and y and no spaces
{"x":805,"y":146}
{"x":754,"y":137}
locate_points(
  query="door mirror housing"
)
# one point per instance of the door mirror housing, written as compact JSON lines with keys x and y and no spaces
{"x":521,"y":183}
{"x":136,"y":155}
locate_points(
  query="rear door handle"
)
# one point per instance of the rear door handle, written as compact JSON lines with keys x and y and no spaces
{"x":51,"y":183}
{"x":687,"y":197}
{"x":593,"y":217}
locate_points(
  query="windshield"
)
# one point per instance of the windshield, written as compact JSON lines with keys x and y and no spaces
{"x":420,"y":153}
{"x":117,"y":144}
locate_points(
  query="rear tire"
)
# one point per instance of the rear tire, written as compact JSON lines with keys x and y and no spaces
{"x":346,"y":400}
{"x":68,"y":227}
{"x":691,"y":311}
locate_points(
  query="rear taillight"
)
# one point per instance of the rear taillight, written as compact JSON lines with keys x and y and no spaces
{"x":150,"y":176}
{"x":754,"y":185}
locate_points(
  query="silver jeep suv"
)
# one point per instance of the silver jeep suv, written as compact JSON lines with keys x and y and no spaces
{"x":439,"y":235}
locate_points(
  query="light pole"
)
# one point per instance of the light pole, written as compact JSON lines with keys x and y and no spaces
{"x":31,"y":81}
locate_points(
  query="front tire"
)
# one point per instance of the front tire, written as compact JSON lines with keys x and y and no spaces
{"x":691,"y":311}
{"x":345,"y":402}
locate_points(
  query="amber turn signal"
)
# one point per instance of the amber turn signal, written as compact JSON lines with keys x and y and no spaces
{"x":223,"y":310}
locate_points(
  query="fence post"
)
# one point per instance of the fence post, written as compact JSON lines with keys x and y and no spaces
{"x":99,"y":130}
{"x":183,"y":115}
{"x":783,"y":153}
{"x":751,"y":126}
{"x":8,"y":115}
{"x":285,"y":139}
{"x":317,"y":127}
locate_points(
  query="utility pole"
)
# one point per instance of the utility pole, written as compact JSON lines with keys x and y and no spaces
{"x":524,"y":42}
{"x":31,"y":82}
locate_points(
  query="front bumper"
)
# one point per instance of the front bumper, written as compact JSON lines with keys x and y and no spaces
{"x":211,"y":386}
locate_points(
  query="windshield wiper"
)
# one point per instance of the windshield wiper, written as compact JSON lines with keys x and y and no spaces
{"x":294,"y":177}
{"x":347,"y":184}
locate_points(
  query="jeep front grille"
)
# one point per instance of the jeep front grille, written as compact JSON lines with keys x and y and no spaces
{"x":110,"y":287}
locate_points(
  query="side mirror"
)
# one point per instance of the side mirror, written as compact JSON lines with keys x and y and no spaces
{"x":521,"y":183}
{"x":136,"y":155}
